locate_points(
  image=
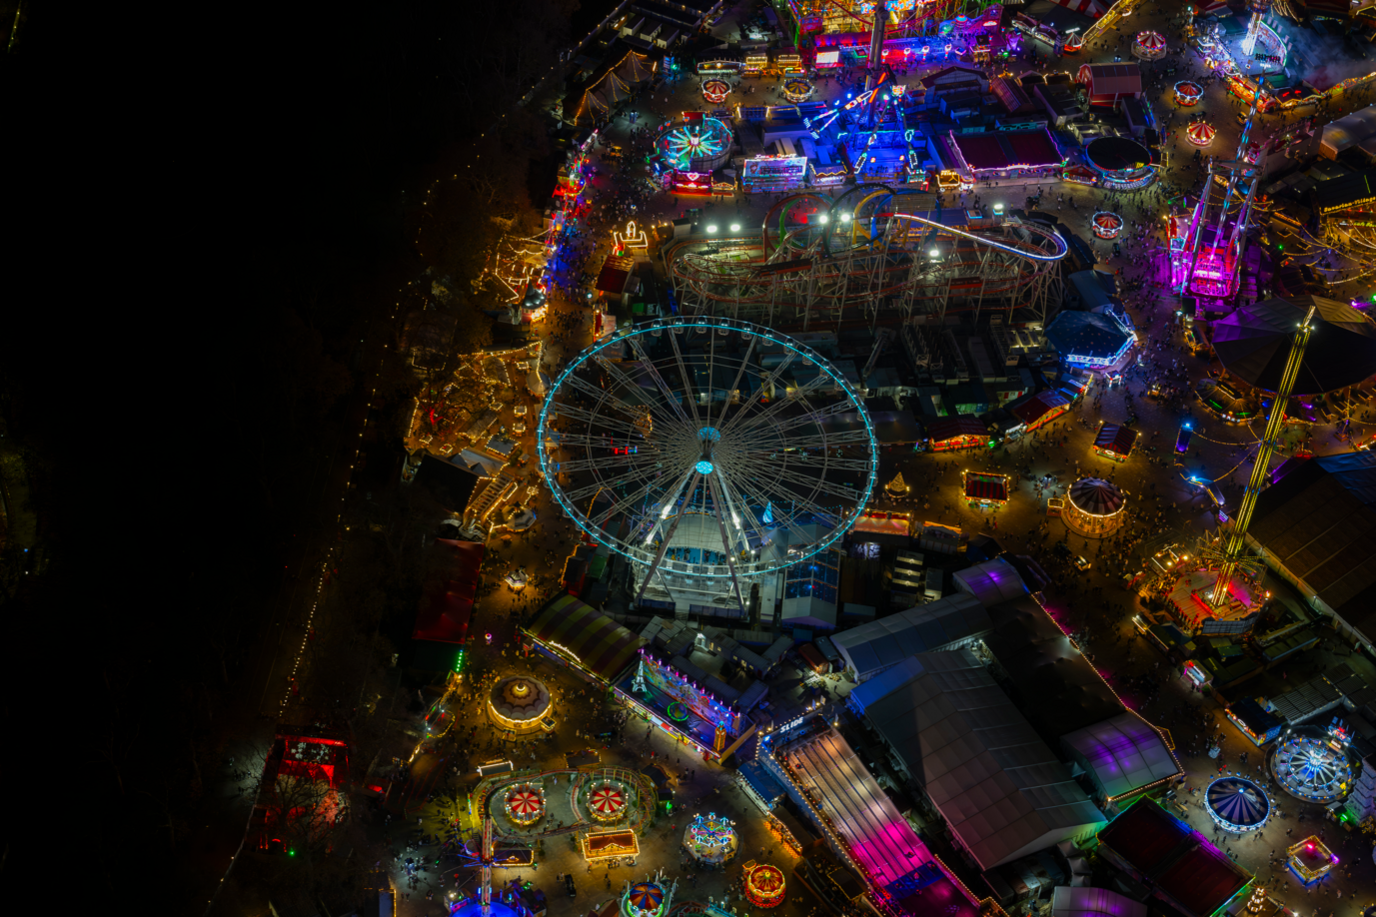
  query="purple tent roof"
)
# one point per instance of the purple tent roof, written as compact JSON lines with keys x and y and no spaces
{"x":1254,"y":344}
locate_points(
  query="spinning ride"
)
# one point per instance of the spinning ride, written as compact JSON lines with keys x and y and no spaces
{"x":798,"y":89}
{"x":716,"y":91}
{"x":1310,"y":860}
{"x":1149,"y":45}
{"x":686,"y":458}
{"x":644,"y":899}
{"x":1312,"y":769}
{"x":1237,"y":804}
{"x":701,"y":145}
{"x":519,"y":703}
{"x":1188,"y":93}
{"x":1106,"y":225}
{"x":524,"y":804}
{"x":764,"y":885}
{"x":1093,"y":508}
{"x":1200,"y":134}
{"x":608,"y":801}
{"x":711,"y":838}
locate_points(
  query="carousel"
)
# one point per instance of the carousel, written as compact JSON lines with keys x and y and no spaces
{"x":1188,"y":93}
{"x":711,"y":839}
{"x":1093,"y":508}
{"x":1237,"y":804}
{"x":715,"y":91}
{"x":608,"y":801}
{"x":797,"y":89}
{"x":1149,"y":45}
{"x":645,"y":899}
{"x":519,"y":703}
{"x":764,"y":884}
{"x":524,"y":804}
{"x":1200,"y":134}
{"x":1309,"y":768}
{"x":1106,"y":225}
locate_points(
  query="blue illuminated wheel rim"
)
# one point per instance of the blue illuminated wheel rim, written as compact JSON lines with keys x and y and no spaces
{"x":1308,"y":767}
{"x":775,"y":458}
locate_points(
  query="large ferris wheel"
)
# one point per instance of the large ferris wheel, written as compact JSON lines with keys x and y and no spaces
{"x":709,"y":452}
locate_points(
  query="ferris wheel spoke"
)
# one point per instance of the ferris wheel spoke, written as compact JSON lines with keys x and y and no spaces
{"x":687,"y":383}
{"x":627,"y":383}
{"x":664,"y":388}
{"x":736,"y":384}
{"x":766,"y":384}
{"x":573,"y":466}
{"x":595,"y":420}
{"x":744,"y":422}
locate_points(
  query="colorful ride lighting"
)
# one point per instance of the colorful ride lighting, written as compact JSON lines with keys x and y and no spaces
{"x":1200,"y":134}
{"x":716,"y":91}
{"x":764,"y":885}
{"x":1312,"y":769}
{"x":1310,"y":860}
{"x":1237,"y":804}
{"x":524,"y":804}
{"x":1073,"y":43}
{"x":1188,"y":92}
{"x":798,"y":89}
{"x":1149,"y":45}
{"x":1252,"y":153}
{"x":1106,"y":225}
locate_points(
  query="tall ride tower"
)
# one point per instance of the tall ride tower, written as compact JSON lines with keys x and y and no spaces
{"x":1259,"y":9}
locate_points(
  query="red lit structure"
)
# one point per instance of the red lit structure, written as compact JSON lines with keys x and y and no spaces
{"x":302,"y":797}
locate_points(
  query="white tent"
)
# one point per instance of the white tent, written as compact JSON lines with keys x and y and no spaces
{"x":992,"y":582}
{"x":1122,"y":754}
{"x":999,"y":787}
{"x":948,"y":623}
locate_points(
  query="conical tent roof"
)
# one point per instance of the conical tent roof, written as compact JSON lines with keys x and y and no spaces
{"x":1254,"y":343}
{"x":1096,"y":496}
{"x":634,"y":69}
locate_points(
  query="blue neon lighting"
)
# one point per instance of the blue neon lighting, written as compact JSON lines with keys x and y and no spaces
{"x":710,"y":433}
{"x":544,"y":434}
{"x":704,"y":467}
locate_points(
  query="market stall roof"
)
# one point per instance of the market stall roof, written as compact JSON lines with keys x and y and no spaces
{"x":948,"y":428}
{"x":1318,"y":522}
{"x":596,"y":642}
{"x":1116,"y":439}
{"x":1086,"y":334}
{"x":614,"y":275}
{"x":1039,"y":405}
{"x":1003,"y":792}
{"x":1117,"y":154}
{"x":878,"y":645}
{"x":1123,"y":752}
{"x":447,"y":603}
{"x":1187,"y":870}
{"x":1111,"y":79}
{"x":986,"y":487}
{"x":1253,"y":343}
{"x":1009,"y":150}
{"x":1093,"y":902}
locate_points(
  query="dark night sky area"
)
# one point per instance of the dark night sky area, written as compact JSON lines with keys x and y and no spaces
{"x":205,"y":210}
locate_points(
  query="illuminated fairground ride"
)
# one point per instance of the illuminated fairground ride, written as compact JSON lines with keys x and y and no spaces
{"x":1188,"y":93}
{"x":1149,"y":45}
{"x":707,"y":451}
{"x":867,"y":255}
{"x":1200,"y":133}
{"x":651,"y":898}
{"x":711,"y":838}
{"x":1237,"y":804}
{"x":1207,"y":245}
{"x":764,"y":884}
{"x":1106,"y":225}
{"x":798,"y":89}
{"x":1312,"y":768}
{"x":699,"y":145}
{"x":608,"y":800}
{"x":715,"y":91}
{"x":524,"y":804}
{"x":901,"y":18}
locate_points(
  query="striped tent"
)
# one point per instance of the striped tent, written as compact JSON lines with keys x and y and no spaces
{"x":584,"y":636}
{"x":1096,"y":496}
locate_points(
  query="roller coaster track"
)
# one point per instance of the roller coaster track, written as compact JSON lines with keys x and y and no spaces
{"x":883,"y":260}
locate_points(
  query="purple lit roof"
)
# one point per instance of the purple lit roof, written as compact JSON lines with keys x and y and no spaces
{"x":1123,"y":752}
{"x":1091,"y":902}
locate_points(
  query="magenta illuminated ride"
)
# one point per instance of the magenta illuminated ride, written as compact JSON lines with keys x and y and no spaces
{"x":716,"y":91}
{"x":1149,"y":45}
{"x":698,"y":144}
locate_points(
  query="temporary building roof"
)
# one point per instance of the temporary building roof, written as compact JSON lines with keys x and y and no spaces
{"x":1189,"y":872}
{"x":1052,"y":680}
{"x":1003,"y":792}
{"x":1112,"y":79}
{"x":1040,"y":404}
{"x":1124,"y":753}
{"x":986,"y":486}
{"x":1253,"y":343}
{"x":1086,"y":334}
{"x":1093,"y":902}
{"x":992,"y":582}
{"x":878,"y":645}
{"x":1319,"y":523}
{"x":947,"y":428}
{"x":447,"y":603}
{"x":583,"y":633}
{"x":1009,"y":150}
{"x":1096,"y":496}
{"x":1340,"y":193}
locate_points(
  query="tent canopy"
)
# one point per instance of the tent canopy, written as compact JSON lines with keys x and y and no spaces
{"x":1093,"y":902}
{"x":878,"y":645}
{"x":1254,"y":342}
{"x":992,"y":582}
{"x":1123,"y":754}
{"x":1001,"y":789}
{"x":447,"y":604}
{"x":580,"y":632}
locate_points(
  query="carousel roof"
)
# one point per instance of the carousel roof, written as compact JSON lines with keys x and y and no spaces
{"x":1253,"y":344}
{"x":646,"y":896}
{"x":1238,"y":801}
{"x":520,"y":697}
{"x":1096,"y":496}
{"x":1116,"y":154}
